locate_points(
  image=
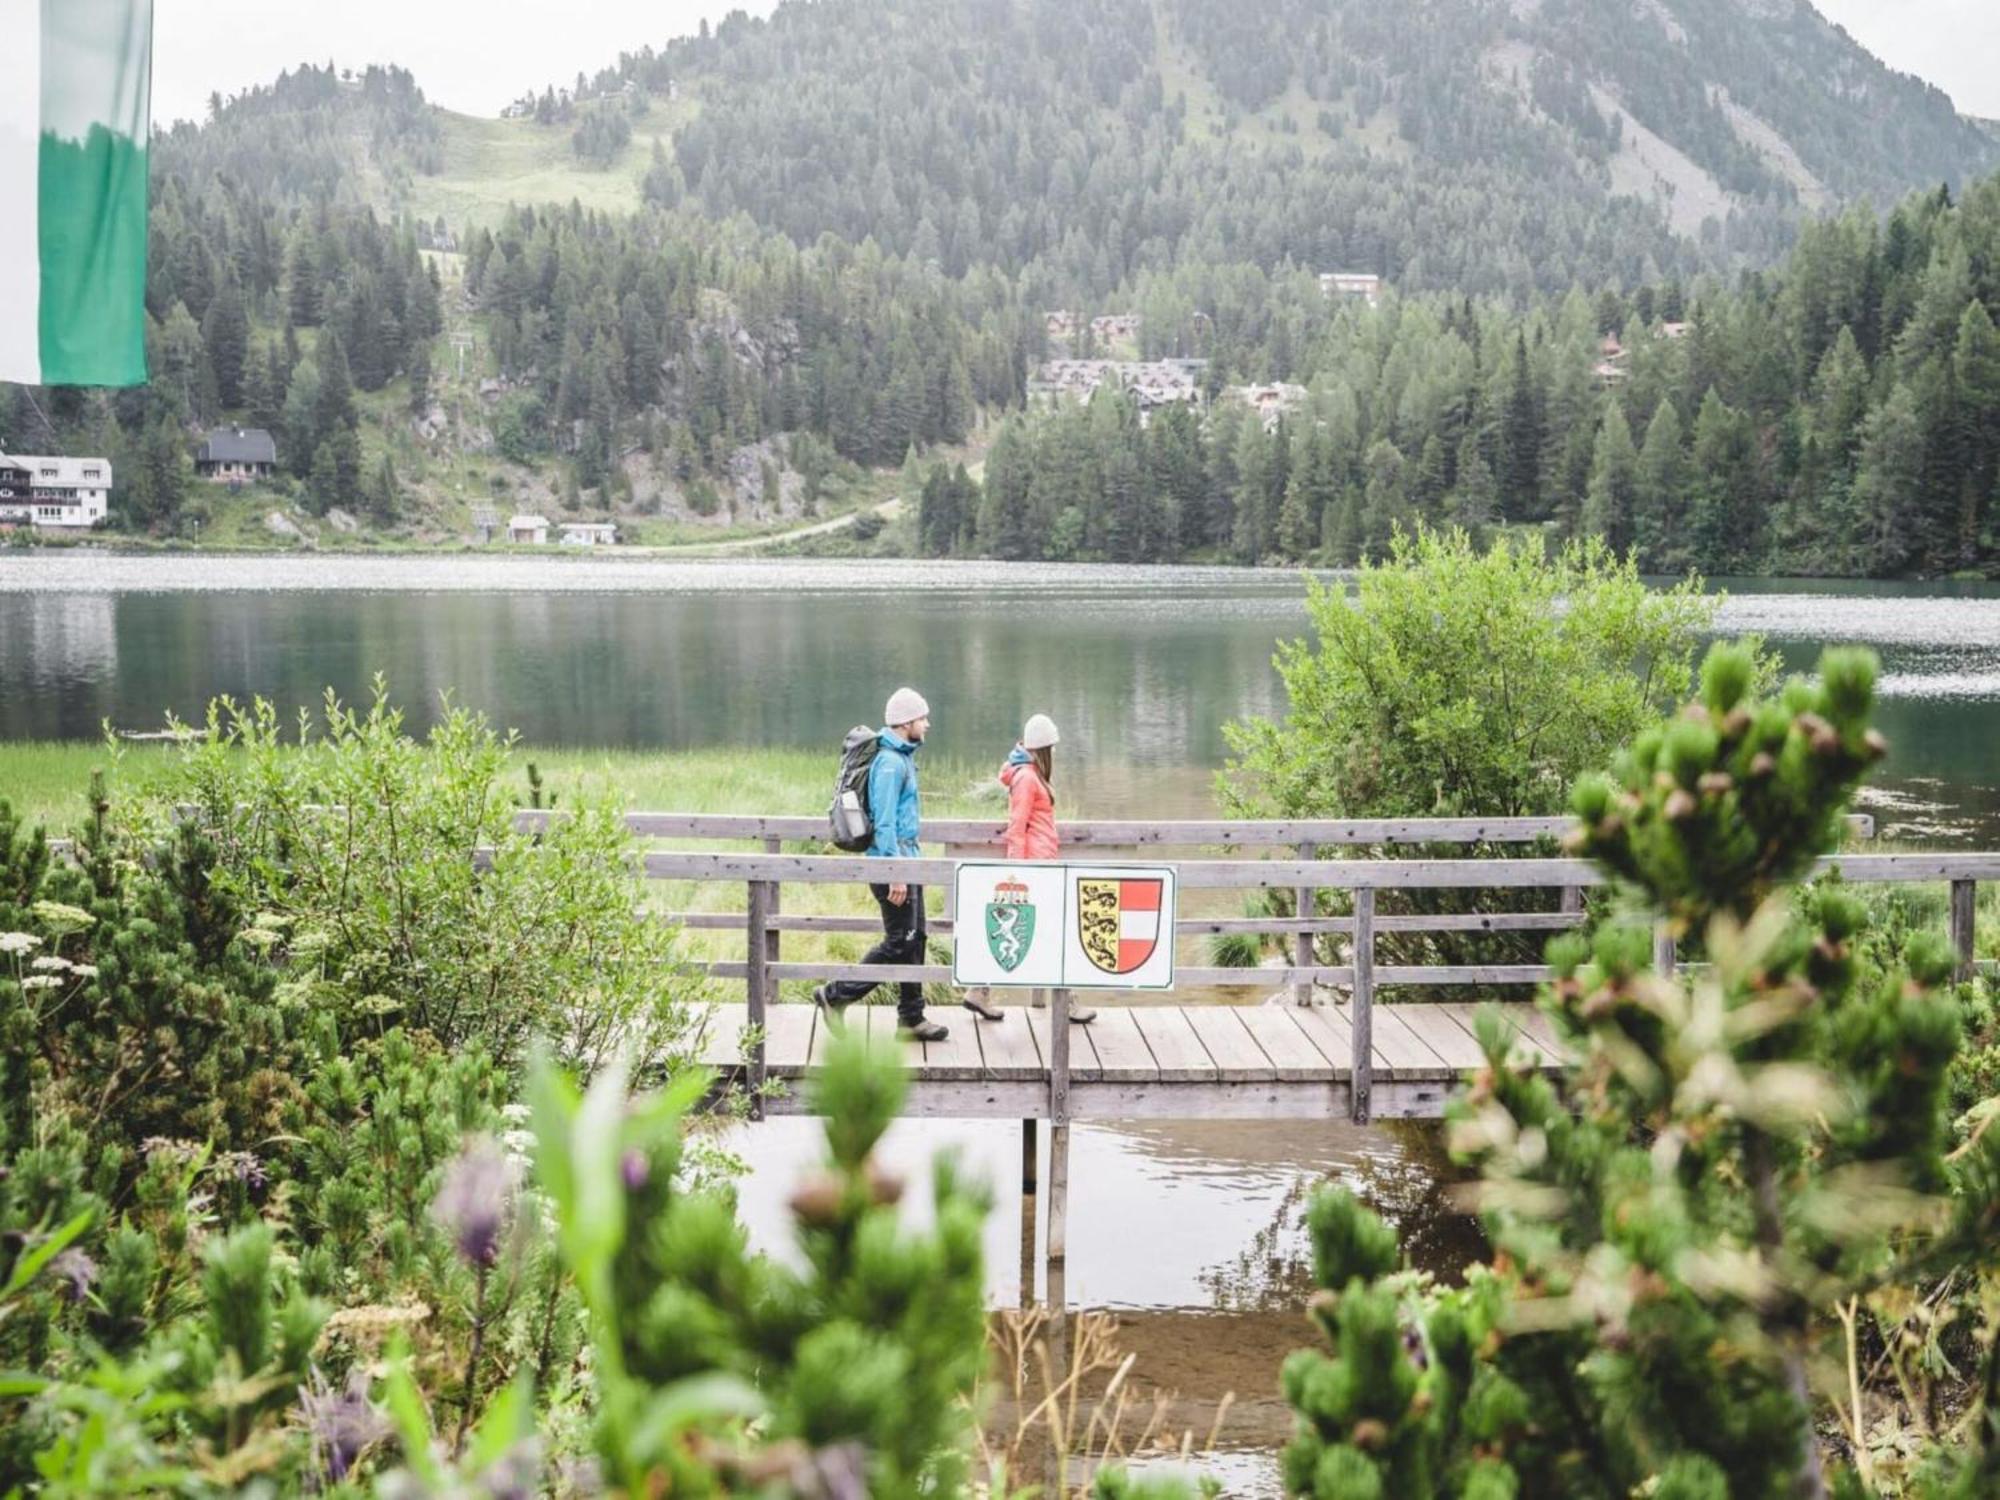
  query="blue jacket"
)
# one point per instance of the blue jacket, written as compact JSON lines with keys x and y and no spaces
{"x":893,"y":804}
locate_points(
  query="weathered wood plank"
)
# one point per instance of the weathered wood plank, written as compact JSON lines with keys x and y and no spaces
{"x":719,"y":1042}
{"x":1184,"y":978}
{"x":1008,"y":1048}
{"x":958,"y":1055}
{"x":1532,"y":1024}
{"x":1410,"y":1056}
{"x":1523,"y":1049}
{"x":1122,"y":1053}
{"x":1293,"y":1055}
{"x":1237,"y":1055}
{"x":1356,"y":875}
{"x":1039,"y":1020}
{"x":1413,"y":975}
{"x":788,"y":1038}
{"x":1327,"y":1028}
{"x":1316,"y":1101}
{"x":1173,"y":1043}
{"x":980,"y":834}
{"x":1441,"y":1034}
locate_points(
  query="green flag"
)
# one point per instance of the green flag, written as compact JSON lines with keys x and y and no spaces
{"x":73,"y":123}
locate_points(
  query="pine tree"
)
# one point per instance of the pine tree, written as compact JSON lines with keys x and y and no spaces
{"x":225,"y":335}
{"x":1608,"y":505}
{"x":1730,"y":1166}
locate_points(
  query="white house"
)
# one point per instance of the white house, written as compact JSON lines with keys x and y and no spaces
{"x":589,"y":534}
{"x":70,"y":493}
{"x":533,"y":530}
{"x":1351,"y":284}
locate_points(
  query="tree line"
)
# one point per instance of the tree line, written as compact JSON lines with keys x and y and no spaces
{"x":1837,"y":415}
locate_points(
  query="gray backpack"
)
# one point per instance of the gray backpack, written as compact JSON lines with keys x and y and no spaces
{"x":853,"y":827}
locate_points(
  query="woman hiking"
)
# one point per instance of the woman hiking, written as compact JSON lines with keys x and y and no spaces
{"x":1029,"y":776}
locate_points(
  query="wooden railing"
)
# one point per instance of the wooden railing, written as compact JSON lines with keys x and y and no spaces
{"x":765,"y":874}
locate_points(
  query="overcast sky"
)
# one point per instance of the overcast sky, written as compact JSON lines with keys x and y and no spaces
{"x":475,"y":55}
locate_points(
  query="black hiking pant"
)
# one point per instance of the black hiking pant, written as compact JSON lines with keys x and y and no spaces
{"x":902,"y":943}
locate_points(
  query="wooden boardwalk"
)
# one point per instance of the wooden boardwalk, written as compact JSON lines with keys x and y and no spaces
{"x":1250,"y":1062}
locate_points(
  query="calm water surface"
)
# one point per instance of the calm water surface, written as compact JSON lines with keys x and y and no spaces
{"x":1192,"y":1232}
{"x":1141,"y":666}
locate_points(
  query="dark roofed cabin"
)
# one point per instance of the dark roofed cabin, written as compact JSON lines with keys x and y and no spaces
{"x":236,"y":455}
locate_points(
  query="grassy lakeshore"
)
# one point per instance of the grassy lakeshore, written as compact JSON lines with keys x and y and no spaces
{"x":46,"y":780}
{"x":46,"y":783}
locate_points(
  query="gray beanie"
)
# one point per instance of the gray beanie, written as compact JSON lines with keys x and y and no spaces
{"x":905,"y":706}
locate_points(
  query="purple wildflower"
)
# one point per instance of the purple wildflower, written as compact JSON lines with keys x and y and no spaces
{"x":343,"y":1423}
{"x":1414,"y":1346}
{"x":78,"y":1270}
{"x":247,"y":1168}
{"x":515,"y":1474}
{"x":635,"y":1169}
{"x":474,"y":1202}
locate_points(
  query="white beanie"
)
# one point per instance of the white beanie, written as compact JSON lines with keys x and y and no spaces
{"x":1040,"y":733}
{"x":906,"y":705}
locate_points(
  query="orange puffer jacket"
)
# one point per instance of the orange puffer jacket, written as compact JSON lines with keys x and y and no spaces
{"x":1031,"y":813}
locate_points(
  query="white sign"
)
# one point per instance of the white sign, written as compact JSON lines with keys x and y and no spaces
{"x":1119,"y":929}
{"x":1056,"y":926}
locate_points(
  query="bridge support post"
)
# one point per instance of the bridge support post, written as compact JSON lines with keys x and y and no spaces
{"x":772,"y":936}
{"x":1308,"y":908}
{"x":1028,"y":1172}
{"x":1058,"y":1133}
{"x":1363,"y":1019}
{"x":758,"y":983}
{"x":1964,"y":914}
{"x":1664,"y":957}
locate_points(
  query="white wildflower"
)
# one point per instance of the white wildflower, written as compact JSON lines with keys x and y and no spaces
{"x":61,"y":916}
{"x":48,"y":963}
{"x":84,"y":971}
{"x":18,"y":942}
{"x":41,"y":982}
{"x":516,"y":1114}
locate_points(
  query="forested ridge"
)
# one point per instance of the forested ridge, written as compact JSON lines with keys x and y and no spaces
{"x":862,"y":209}
{"x":1839,"y":414}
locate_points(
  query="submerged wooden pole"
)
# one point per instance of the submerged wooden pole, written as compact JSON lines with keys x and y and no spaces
{"x":1964,"y":920}
{"x":1058,"y":1131}
{"x":1363,"y":1019}
{"x":759,"y":985}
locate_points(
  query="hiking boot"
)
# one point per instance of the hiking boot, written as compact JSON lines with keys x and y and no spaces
{"x":983,"y":1007}
{"x":921,"y":1031}
{"x":824,"y":1004}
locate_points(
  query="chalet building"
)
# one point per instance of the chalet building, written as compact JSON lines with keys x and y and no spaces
{"x":66,"y":493}
{"x":589,"y":534}
{"x":236,"y":456}
{"x":1271,"y":402}
{"x":1351,"y":284}
{"x":1610,"y":369}
{"x":1151,"y":383}
{"x":530,"y":531}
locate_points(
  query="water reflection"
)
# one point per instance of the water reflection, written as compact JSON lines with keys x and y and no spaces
{"x":1163,"y":1214}
{"x":1141,"y":666}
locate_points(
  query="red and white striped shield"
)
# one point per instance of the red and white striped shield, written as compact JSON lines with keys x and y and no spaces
{"x":1118,"y":922}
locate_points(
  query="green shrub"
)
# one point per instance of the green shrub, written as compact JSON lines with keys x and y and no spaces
{"x":354,"y":844}
{"x":1742,"y":1172}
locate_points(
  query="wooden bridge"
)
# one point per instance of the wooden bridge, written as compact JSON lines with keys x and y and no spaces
{"x":1320,"y":1045}
{"x":1339,"y":1049}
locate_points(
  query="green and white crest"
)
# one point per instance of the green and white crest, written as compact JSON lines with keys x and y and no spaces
{"x":1010,"y":925}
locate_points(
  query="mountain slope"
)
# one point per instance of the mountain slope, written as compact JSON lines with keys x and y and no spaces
{"x":1478,"y":144}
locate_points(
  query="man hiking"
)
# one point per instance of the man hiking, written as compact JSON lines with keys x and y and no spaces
{"x":895,"y":810}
